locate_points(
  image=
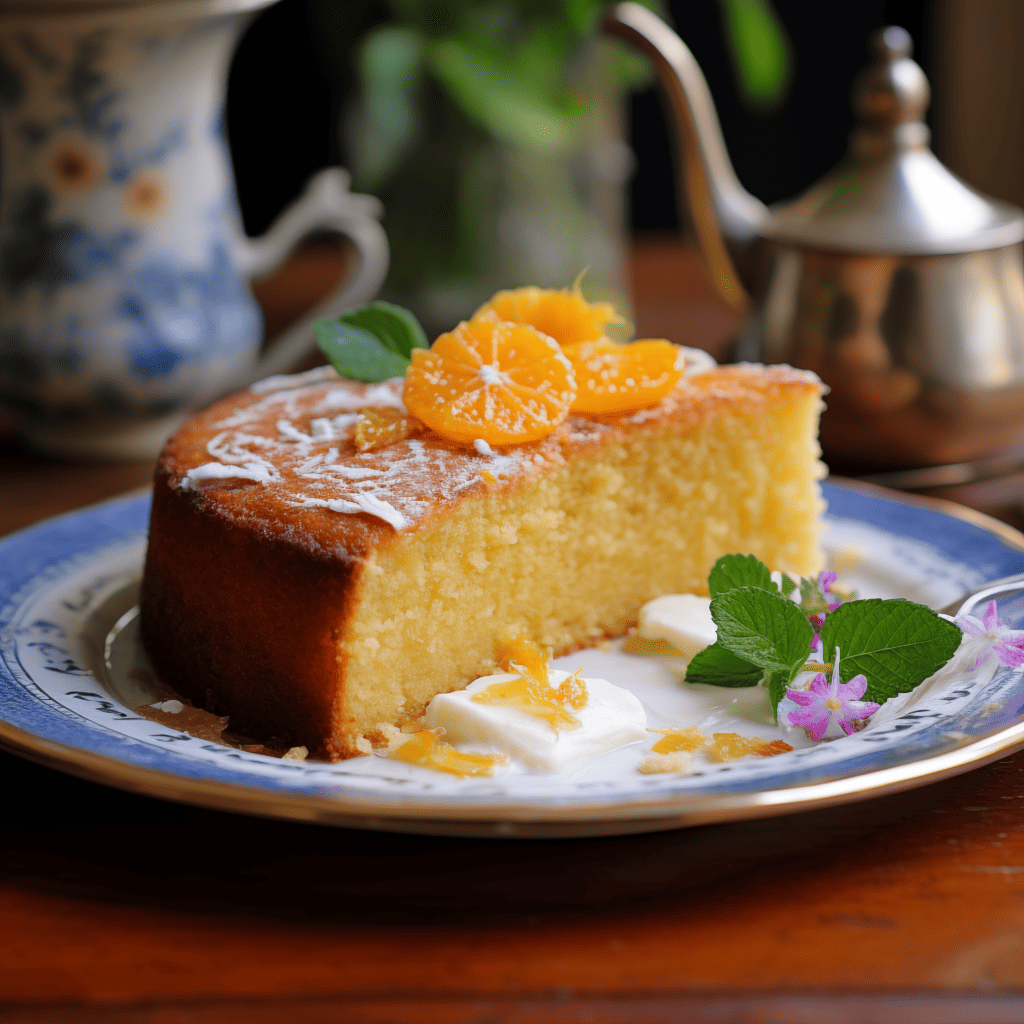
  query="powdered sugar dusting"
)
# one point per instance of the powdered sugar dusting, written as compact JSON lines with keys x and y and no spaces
{"x":386,"y":395}
{"x":298,"y":446}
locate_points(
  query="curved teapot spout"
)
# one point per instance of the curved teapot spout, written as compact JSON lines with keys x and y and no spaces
{"x":718,"y":203}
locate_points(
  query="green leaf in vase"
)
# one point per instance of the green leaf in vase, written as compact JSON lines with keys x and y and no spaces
{"x":494,"y":85}
{"x":385,"y":125}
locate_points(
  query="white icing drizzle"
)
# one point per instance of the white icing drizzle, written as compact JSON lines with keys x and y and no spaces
{"x":287,"y":430}
{"x":290,"y":381}
{"x":697,"y":360}
{"x":360,"y":503}
{"x":219,"y":471}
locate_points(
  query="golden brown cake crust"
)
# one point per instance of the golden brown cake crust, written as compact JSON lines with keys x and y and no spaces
{"x":419,"y":479}
{"x":266,"y":518}
{"x":224,"y":639}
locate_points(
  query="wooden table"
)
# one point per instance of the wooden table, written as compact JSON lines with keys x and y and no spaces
{"x":124,"y":909}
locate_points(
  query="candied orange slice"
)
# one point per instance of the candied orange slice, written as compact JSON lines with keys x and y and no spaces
{"x":731,"y":746}
{"x":499,"y":382}
{"x":379,"y":427}
{"x":619,"y":378}
{"x":562,"y":314}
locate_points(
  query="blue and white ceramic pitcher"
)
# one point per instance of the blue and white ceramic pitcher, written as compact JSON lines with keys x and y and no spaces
{"x":124,"y":268}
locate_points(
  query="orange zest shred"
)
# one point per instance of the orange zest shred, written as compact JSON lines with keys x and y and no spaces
{"x":532,"y":691}
{"x":773,"y":748}
{"x":499,"y":382}
{"x":379,"y":427}
{"x":561,"y":314}
{"x":731,"y":746}
{"x":679,"y":739}
{"x":613,"y":378}
{"x":427,"y":749}
{"x":527,"y":658}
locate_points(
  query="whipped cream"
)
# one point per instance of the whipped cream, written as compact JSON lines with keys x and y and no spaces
{"x":684,"y":620}
{"x":611,"y":718}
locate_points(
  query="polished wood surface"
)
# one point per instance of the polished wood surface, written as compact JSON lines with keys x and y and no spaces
{"x":120,"y":908}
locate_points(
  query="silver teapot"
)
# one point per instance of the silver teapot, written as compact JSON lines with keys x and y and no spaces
{"x":897,"y":283}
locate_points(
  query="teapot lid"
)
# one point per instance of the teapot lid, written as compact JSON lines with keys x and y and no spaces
{"x":891,"y":194}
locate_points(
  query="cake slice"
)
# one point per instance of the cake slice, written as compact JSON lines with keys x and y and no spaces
{"x":312,"y":591}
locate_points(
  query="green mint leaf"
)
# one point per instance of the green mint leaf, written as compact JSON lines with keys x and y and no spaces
{"x":396,"y":327}
{"x":371,"y":343}
{"x":718,"y":666}
{"x":896,"y":644}
{"x":788,"y":584}
{"x":733,"y":571}
{"x":358,"y":354}
{"x":764,"y":628}
{"x":778,"y":682}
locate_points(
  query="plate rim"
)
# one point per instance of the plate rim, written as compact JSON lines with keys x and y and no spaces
{"x":553,"y":820}
{"x":578,"y":818}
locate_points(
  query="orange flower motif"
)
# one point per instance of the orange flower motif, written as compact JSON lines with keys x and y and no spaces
{"x":147,"y":196}
{"x":74,"y":166}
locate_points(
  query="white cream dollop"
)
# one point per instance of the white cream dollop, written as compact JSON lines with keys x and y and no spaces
{"x":684,"y":620}
{"x":611,"y":717}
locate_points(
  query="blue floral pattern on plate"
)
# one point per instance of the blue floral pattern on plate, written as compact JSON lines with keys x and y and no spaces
{"x":67,"y":660}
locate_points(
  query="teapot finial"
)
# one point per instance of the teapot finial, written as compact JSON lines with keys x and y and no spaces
{"x":893,"y":91}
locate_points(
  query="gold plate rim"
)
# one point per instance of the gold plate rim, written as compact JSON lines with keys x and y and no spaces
{"x":510,"y":820}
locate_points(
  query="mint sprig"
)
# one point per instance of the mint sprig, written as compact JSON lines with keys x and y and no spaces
{"x":896,"y":644}
{"x":718,"y":666}
{"x":732,"y":571}
{"x":764,"y":628}
{"x":371,"y":343}
{"x":765,"y":638}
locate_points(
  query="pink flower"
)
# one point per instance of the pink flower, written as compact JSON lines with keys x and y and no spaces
{"x":1006,"y":644}
{"x":825,"y":699}
{"x":817,"y":621}
{"x":825,"y":581}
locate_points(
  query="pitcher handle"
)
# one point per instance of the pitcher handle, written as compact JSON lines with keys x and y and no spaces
{"x":326,"y":205}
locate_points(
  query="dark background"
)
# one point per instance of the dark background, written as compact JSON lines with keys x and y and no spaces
{"x":290,"y":78}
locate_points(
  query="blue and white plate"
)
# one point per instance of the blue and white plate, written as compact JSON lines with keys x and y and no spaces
{"x":72,"y":671}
